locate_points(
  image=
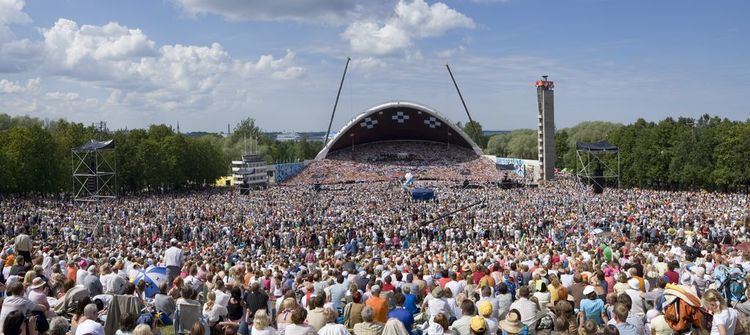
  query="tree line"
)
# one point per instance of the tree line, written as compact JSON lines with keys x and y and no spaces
{"x":683,"y":153}
{"x":35,"y":155}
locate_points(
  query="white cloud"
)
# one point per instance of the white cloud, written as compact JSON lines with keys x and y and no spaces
{"x":293,"y":72}
{"x":368,"y":64}
{"x":327,"y":12}
{"x":410,"y":21}
{"x":280,"y":69}
{"x":118,"y":73}
{"x":11,"y":12}
{"x":447,"y":53}
{"x":68,"y":45}
{"x":8,"y":87}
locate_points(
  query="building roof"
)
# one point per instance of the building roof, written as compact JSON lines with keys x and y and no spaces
{"x":398,"y":121}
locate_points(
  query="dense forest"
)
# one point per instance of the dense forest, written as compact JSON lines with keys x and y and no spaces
{"x":35,"y":155}
{"x":683,"y":153}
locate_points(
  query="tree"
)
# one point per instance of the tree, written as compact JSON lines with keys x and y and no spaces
{"x":523,"y":144}
{"x":31,"y":158}
{"x":474,"y":130}
{"x":561,"y":148}
{"x":247,"y":129}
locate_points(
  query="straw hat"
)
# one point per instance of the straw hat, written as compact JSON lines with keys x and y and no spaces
{"x":37,"y":283}
{"x":511,"y":324}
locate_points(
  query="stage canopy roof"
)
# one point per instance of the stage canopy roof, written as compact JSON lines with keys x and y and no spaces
{"x":398,"y":121}
{"x":96,"y":145}
{"x":597,"y":146}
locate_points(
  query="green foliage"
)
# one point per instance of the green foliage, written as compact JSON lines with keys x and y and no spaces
{"x":589,"y":131}
{"x":707,"y":152}
{"x":474,"y":130}
{"x":35,"y":155}
{"x":520,"y":143}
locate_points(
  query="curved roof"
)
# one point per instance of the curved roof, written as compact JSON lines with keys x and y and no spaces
{"x":398,"y":121}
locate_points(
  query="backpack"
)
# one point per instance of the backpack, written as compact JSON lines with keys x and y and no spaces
{"x":684,"y":311}
{"x":730,"y":283}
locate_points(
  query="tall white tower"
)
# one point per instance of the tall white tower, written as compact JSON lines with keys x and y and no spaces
{"x":545,"y":91}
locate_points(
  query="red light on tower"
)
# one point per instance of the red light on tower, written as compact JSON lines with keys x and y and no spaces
{"x":547,"y":84}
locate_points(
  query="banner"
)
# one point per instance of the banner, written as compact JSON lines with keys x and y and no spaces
{"x":511,"y":164}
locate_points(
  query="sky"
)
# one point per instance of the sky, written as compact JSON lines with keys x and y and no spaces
{"x":208,"y":63}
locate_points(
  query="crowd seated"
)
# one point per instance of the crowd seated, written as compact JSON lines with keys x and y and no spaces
{"x":388,"y":161}
{"x":365,"y":259}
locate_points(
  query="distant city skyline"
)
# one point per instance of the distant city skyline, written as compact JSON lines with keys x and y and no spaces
{"x":209,"y":63}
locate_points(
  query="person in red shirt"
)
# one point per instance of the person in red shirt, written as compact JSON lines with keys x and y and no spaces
{"x":387,"y":286}
{"x":444,"y":278}
{"x":378,"y":305}
{"x":672,"y":276}
{"x":477,"y":275}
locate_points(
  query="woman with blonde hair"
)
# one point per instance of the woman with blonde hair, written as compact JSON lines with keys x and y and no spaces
{"x":262,"y":324}
{"x":285,"y":315}
{"x":142,"y":330}
{"x":331,"y":327}
{"x":724,"y":318}
{"x":212,"y":311}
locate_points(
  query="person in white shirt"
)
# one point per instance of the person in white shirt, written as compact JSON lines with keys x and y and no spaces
{"x":725,"y":319}
{"x":90,"y":325}
{"x":222,"y":298}
{"x":173,"y":260}
{"x":526,"y":307}
{"x":454,"y":285}
{"x":17,"y":302}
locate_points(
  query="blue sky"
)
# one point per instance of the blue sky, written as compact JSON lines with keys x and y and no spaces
{"x":207,"y":63}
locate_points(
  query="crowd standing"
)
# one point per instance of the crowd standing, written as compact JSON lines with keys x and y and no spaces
{"x":365,"y":259}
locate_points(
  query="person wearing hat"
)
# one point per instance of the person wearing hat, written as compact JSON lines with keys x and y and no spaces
{"x":486,"y":310}
{"x":592,"y":308}
{"x":638,"y":306}
{"x":36,"y":292}
{"x":478,"y":325}
{"x":438,"y":304}
{"x":512,"y":323}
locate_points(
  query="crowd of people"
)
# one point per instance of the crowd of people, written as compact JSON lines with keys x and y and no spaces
{"x":390,"y":161}
{"x":365,"y":259}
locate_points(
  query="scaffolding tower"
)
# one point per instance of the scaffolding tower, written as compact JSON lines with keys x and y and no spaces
{"x":595,"y":164}
{"x":94,"y":171}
